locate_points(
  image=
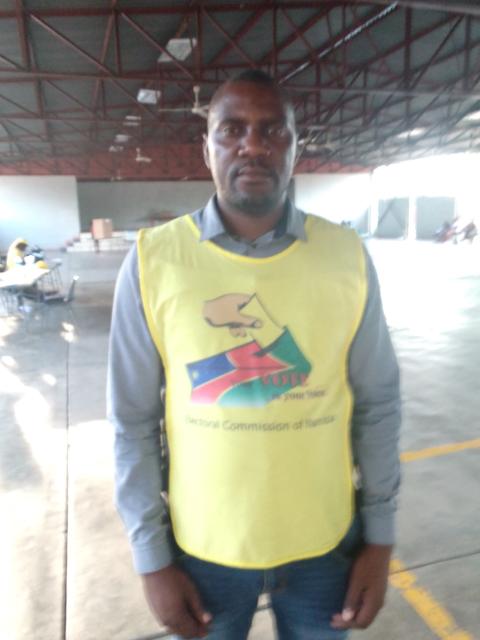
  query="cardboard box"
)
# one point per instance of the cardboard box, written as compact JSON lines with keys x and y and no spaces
{"x":102,"y":228}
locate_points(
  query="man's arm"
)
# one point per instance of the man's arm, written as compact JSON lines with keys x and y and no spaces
{"x":374,"y":378}
{"x":135,"y":377}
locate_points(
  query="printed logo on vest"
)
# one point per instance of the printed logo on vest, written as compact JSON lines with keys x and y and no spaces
{"x":264,"y":367}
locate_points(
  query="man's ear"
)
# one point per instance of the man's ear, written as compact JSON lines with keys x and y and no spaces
{"x":206,"y":159}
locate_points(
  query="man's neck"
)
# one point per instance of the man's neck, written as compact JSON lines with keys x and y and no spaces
{"x":239,"y":223}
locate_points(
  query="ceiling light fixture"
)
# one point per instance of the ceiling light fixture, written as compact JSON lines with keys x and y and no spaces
{"x":179,"y":48}
{"x":472,"y":117}
{"x":122,"y":137}
{"x":411,"y":133}
{"x":140,"y":157}
{"x":132,"y":121}
{"x":148,"y":96}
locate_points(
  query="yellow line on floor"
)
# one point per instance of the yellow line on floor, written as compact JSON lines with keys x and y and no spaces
{"x":431,"y":612}
{"x":441,"y":450}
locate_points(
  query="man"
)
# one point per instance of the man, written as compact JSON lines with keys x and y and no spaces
{"x":266,"y":327}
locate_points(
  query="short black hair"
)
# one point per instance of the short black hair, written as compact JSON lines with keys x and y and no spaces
{"x":256,"y":76}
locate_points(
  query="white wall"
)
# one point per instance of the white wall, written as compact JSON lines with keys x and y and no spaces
{"x":454,"y":176}
{"x":336,"y":197}
{"x":129,"y":204}
{"x":41,"y":209}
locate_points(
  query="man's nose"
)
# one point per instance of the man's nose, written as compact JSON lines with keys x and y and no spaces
{"x":254,"y":144}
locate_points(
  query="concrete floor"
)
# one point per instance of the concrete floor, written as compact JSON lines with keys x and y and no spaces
{"x":65,"y":569}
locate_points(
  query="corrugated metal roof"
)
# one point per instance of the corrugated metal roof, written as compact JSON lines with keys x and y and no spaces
{"x":359,"y":72}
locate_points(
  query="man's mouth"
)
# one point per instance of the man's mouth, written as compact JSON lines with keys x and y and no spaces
{"x":255,"y":174}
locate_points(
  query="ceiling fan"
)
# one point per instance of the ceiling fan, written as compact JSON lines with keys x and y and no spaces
{"x":140,"y":157}
{"x":197,"y":108}
{"x":317,"y":140}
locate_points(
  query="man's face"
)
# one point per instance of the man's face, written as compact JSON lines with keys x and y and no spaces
{"x":250,"y":147}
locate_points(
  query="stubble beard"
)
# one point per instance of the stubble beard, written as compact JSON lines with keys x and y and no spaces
{"x":255,"y":206}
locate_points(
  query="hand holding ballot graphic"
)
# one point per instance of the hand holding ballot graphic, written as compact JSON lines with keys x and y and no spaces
{"x":261,"y":363}
{"x":244,"y":315}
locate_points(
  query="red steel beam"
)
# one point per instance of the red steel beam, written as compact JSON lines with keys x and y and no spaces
{"x":199,"y":47}
{"x":383,"y":63}
{"x":118,"y":50}
{"x":395,"y":126}
{"x":11,"y":63}
{"x":438,"y":49}
{"x":67,"y":95}
{"x":275,"y":42}
{"x":155,"y":44}
{"x":346,"y":35}
{"x":459,"y":8}
{"x":47,"y":140}
{"x":60,"y":135}
{"x":65,"y":12}
{"x":391,"y":132}
{"x":103,"y":52}
{"x":380,"y":90}
{"x":407,"y":75}
{"x":300,"y":36}
{"x":313,"y":20}
{"x":391,"y":50}
{"x":431,"y":62}
{"x":466,"y":59}
{"x":232,"y":42}
{"x":423,"y":70}
{"x":415,"y":117}
{"x":31,"y":114}
{"x":109,"y":76}
{"x":397,"y":47}
{"x":430,"y":92}
{"x":407,"y":72}
{"x":244,"y":29}
{"x":22,"y":34}
{"x":432,"y":134}
{"x":27,"y":61}
{"x":112,"y":23}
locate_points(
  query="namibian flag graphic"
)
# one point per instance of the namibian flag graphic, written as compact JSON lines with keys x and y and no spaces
{"x":249,"y":375}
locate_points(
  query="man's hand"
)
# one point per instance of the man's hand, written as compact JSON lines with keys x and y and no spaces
{"x":366,"y":588}
{"x":226,"y":311}
{"x":175,"y":602}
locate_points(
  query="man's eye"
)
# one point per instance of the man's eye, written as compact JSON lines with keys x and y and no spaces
{"x":230,"y":130}
{"x":277,"y":131}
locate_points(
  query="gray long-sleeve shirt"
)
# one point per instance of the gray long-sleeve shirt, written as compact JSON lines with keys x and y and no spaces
{"x":135,"y":376}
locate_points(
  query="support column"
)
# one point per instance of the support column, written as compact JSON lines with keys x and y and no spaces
{"x":373,"y":214}
{"x":412,"y":218}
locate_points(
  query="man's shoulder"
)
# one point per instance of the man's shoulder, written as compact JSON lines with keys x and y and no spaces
{"x":166,"y":229}
{"x":323,"y":225}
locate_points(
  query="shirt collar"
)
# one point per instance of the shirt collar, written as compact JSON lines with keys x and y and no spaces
{"x":211,"y":226}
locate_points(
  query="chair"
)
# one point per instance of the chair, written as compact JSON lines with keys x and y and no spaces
{"x":8,"y":301}
{"x":52,"y":282}
{"x":57,"y":296}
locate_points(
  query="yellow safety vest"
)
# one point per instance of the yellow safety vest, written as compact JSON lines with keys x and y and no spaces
{"x":258,"y":403}
{"x":14,"y":257}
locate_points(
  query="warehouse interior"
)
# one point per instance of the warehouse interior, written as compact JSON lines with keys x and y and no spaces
{"x":102,"y":112}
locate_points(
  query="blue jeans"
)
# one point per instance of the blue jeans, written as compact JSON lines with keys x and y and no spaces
{"x":304,"y":594}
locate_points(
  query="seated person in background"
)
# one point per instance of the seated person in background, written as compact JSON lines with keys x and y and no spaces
{"x":470,"y":231}
{"x":445,"y":232}
{"x":16,"y":253}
